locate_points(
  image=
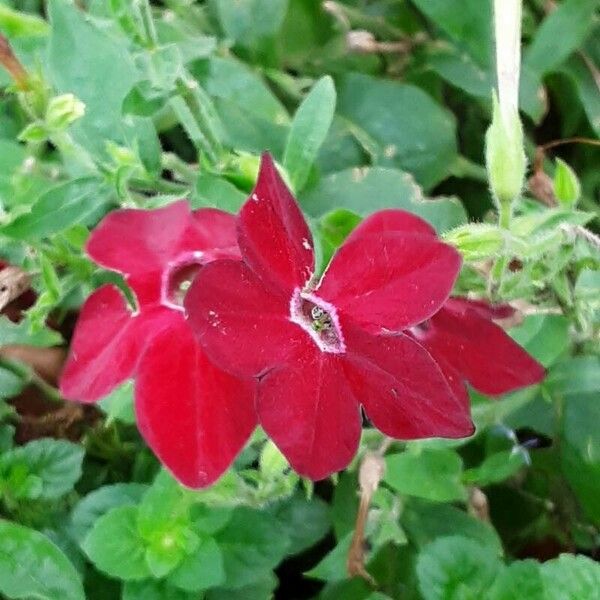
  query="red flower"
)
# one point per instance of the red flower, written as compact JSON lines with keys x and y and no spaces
{"x":194,"y":416}
{"x":461,"y":336}
{"x":320,"y":349}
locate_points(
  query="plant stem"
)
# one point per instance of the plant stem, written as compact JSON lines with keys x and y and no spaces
{"x":148,"y":23}
{"x":29,"y":376}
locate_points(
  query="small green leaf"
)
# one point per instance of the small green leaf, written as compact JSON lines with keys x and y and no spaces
{"x":456,"y":568}
{"x":567,"y":188}
{"x":115,"y":546}
{"x":56,"y":464}
{"x":118,"y":405}
{"x":34,"y":133}
{"x":99,"y":502}
{"x":308,"y":132}
{"x":31,"y":566}
{"x":431,"y":474}
{"x":20,"y":24}
{"x":200,"y":570}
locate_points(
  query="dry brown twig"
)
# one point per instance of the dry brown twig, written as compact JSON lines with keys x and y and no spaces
{"x":13,"y":283}
{"x":370,"y":474}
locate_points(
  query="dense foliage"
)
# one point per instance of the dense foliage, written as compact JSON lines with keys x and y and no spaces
{"x":366,"y":105}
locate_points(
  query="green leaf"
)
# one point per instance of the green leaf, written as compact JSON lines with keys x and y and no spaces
{"x":430,"y":474}
{"x":200,"y":570}
{"x":470,"y":27}
{"x":16,"y":24}
{"x":580,"y":440}
{"x":56,"y":464}
{"x":305,"y":521}
{"x":365,"y":190}
{"x":247,"y":21}
{"x":118,"y":405}
{"x":31,"y":566}
{"x":99,"y":502}
{"x":19,"y":333}
{"x":564,"y":30}
{"x":521,"y":579}
{"x":10,"y":385}
{"x":426,"y":521}
{"x":456,"y":568}
{"x":252,"y":543}
{"x":263,"y":589}
{"x":308,"y":132}
{"x":333,"y":567}
{"x":231,"y":80}
{"x":77,"y":201}
{"x":571,"y":577}
{"x":546,"y":337}
{"x":216,"y":192}
{"x":496,"y":468}
{"x":115,"y":546}
{"x":84,"y":69}
{"x":154,"y":590}
{"x":411,"y":130}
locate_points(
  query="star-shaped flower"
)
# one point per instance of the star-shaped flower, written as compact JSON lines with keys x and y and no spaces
{"x":322,"y":348}
{"x":193,"y":415}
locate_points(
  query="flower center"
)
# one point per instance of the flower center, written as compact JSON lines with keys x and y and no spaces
{"x":178,"y":277}
{"x":319,"y":319}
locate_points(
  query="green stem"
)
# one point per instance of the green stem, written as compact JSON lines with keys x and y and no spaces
{"x":29,"y":376}
{"x":148,"y":23}
{"x":501,"y":264}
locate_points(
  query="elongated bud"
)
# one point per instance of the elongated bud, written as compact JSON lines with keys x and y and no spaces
{"x":505,"y":157}
{"x":12,"y":64}
{"x":567,"y":188}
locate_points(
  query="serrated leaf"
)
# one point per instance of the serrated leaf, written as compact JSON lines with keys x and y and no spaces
{"x":308,"y":131}
{"x":571,"y":577}
{"x":200,"y":570}
{"x":115,"y":546}
{"x":99,"y":502}
{"x":455,"y":568}
{"x":56,"y":464}
{"x":31,"y":566}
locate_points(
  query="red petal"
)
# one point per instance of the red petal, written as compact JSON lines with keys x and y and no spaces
{"x":392,"y":220}
{"x":141,"y":243}
{"x":195,"y":417}
{"x":242,"y":325}
{"x":390,"y":281}
{"x":481,"y":307}
{"x":480,"y":350}
{"x":107,"y":345}
{"x":402,"y":389}
{"x":310,"y":412}
{"x":272,"y":233}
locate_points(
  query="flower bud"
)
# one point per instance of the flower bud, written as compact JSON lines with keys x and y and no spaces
{"x":505,"y":158}
{"x":476,"y":242}
{"x":64,"y":110}
{"x":567,"y":188}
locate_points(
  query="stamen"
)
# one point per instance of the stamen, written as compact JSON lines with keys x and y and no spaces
{"x":319,"y":319}
{"x":177,"y":278}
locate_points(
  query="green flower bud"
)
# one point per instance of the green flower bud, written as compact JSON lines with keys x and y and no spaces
{"x":505,"y":158}
{"x":64,"y":110}
{"x":566,"y":184}
{"x":272,"y":462}
{"x":476,"y":242}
